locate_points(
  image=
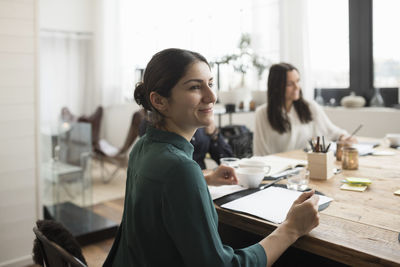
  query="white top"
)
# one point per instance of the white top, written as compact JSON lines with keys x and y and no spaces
{"x":269,"y":141}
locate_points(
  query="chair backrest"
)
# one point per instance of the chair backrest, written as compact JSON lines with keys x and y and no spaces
{"x":240,"y":138}
{"x":133,"y":132}
{"x":54,"y":255}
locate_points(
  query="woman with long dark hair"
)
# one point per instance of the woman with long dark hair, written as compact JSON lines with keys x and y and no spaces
{"x":287,"y":122}
{"x":169,"y":217}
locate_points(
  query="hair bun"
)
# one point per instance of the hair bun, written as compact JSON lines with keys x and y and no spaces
{"x":140,"y":95}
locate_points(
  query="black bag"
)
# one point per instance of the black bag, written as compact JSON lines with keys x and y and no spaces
{"x":240,"y":138}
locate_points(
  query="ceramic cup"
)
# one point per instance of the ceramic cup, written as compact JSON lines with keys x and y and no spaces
{"x":254,"y":163}
{"x":394,"y":139}
{"x":250,"y":177}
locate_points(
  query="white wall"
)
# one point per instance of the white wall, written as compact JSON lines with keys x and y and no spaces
{"x":377,"y":122}
{"x":18,"y":130}
{"x":67,"y":15}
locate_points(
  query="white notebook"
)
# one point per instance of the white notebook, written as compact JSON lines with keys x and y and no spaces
{"x":271,"y":204}
{"x":279,"y":164}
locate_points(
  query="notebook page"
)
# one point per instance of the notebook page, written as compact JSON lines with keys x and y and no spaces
{"x":279,"y":164}
{"x":271,"y":204}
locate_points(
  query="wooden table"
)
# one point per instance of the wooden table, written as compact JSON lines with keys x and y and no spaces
{"x":358,"y":228}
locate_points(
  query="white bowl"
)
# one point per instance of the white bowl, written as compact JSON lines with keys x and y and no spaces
{"x":394,"y":139}
{"x":250,"y":177}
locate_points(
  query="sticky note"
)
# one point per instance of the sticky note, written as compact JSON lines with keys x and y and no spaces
{"x":356,"y":180}
{"x":358,"y":188}
{"x":397,"y":193}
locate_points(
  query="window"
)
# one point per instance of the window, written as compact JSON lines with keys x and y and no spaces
{"x":212,"y":28}
{"x":328,"y":26}
{"x":386,"y":43}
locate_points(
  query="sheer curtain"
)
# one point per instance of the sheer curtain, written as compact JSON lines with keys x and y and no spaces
{"x":65,"y":74}
{"x":294,"y":40}
{"x":129,"y":32}
{"x":108,"y":54}
{"x":212,"y":28}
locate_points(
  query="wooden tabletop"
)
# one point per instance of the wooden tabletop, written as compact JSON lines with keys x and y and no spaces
{"x":358,"y":228}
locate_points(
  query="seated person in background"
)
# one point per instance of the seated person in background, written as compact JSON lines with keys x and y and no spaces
{"x":94,"y":120}
{"x":169,"y":218}
{"x":205,"y":140}
{"x":56,"y":232}
{"x":287,"y":122}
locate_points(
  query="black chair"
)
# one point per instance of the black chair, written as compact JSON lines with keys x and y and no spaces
{"x":240,"y":138}
{"x":54,"y":255}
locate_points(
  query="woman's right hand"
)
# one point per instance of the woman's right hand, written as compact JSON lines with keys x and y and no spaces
{"x":303,"y":216}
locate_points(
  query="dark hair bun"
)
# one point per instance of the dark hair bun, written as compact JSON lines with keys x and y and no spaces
{"x":140,"y":96}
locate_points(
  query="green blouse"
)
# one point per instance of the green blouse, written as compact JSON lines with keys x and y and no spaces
{"x":169,"y":218}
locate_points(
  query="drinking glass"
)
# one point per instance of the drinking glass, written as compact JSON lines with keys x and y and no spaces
{"x":298,"y":181}
{"x":231,"y":162}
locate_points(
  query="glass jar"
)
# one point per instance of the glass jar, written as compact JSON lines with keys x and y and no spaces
{"x":339,"y":149}
{"x":350,"y":158}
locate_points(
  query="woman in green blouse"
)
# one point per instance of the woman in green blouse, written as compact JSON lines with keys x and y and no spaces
{"x":169,"y":218}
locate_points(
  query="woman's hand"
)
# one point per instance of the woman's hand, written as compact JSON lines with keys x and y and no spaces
{"x":301,"y":219}
{"x":349,"y":139}
{"x":303,"y":216}
{"x":223,"y":175}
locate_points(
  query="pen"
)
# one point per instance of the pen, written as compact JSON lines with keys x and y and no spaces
{"x":356,"y":130}
{"x":272,"y":183}
{"x":327,"y":148}
{"x":323,"y":144}
{"x":281,"y":176}
{"x":311,"y":144}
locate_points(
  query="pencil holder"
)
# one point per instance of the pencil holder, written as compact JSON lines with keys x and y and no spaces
{"x":320,"y":165}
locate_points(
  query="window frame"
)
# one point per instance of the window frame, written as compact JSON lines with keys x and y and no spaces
{"x":361,"y":56}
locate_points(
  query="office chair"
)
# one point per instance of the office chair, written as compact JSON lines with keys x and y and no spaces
{"x":51,"y":253}
{"x":119,"y":159}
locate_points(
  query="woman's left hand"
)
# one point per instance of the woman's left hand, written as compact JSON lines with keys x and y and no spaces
{"x":223,"y":175}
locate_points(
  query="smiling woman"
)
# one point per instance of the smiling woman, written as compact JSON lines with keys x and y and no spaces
{"x":168,"y":210}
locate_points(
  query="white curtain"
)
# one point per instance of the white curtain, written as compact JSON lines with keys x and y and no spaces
{"x":128,"y":33}
{"x":294,"y":45}
{"x":65,"y":75}
{"x":107,"y":60}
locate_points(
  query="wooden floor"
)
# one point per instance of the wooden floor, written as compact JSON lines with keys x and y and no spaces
{"x":96,"y":253}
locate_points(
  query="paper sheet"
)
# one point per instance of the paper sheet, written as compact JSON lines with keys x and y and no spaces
{"x":220,"y":191}
{"x":363,"y":148}
{"x":271,"y":204}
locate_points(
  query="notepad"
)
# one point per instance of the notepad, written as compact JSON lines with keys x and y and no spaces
{"x":271,"y":204}
{"x":358,"y":181}
{"x":350,"y":187}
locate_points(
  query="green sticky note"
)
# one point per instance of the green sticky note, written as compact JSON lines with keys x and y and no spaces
{"x":360,"y":181}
